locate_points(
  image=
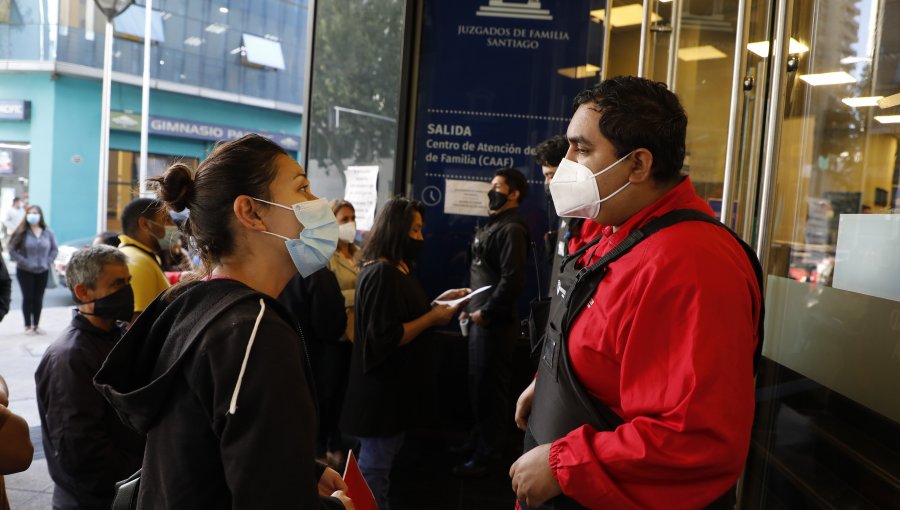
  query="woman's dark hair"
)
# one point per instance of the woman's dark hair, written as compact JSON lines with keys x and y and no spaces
{"x":245,"y":166}
{"x":18,"y":236}
{"x":337,"y":205}
{"x":551,"y":151}
{"x":391,"y":228}
{"x":636,"y":112}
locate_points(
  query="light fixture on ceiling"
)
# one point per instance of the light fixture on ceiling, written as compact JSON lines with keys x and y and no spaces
{"x":193,"y":41}
{"x":833,"y":78}
{"x":761,"y":48}
{"x":889,"y":101}
{"x":223,"y":10}
{"x":858,"y":102}
{"x":624,"y":16}
{"x":577,"y":72}
{"x":888,"y":119}
{"x":216,"y":28}
{"x":854,"y":60}
{"x":694,"y":53}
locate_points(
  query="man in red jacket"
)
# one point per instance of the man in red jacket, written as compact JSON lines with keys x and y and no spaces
{"x":664,"y":341}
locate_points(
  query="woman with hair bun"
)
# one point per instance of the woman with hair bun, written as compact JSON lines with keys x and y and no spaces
{"x":214,"y":371}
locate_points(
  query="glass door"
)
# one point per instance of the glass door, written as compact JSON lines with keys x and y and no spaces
{"x":827,"y":433}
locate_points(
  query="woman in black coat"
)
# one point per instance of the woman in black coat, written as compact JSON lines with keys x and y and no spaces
{"x":393,"y":320}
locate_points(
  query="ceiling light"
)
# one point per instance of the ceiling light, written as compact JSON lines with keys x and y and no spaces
{"x":835,"y":78}
{"x":889,"y":101}
{"x":761,"y":48}
{"x":271,"y":37}
{"x":624,"y":16}
{"x":888,"y":119}
{"x":664,"y":1}
{"x":854,"y":60}
{"x":193,"y":41}
{"x":216,"y":28}
{"x":162,"y":62}
{"x":166,"y":16}
{"x":223,"y":10}
{"x":695,"y":53}
{"x":585,"y":71}
{"x":856,"y":102}
{"x":236,"y":50}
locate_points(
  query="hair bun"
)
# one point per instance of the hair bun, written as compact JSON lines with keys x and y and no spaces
{"x":176,"y":187}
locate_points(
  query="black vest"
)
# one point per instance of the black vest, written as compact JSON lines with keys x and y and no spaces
{"x":561,"y":404}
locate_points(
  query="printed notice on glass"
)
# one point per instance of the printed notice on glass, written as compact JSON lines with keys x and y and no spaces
{"x":469,"y":198}
{"x":362,"y":192}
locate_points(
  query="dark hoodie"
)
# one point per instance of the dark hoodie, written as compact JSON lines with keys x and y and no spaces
{"x":218,"y":379}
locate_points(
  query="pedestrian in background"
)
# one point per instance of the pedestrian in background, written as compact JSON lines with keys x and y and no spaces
{"x":147,"y":231}
{"x":14,"y":215}
{"x":393,"y":325}
{"x":16,"y":450}
{"x":5,"y":289}
{"x":90,"y":449}
{"x":214,"y":371}
{"x":33,"y":248}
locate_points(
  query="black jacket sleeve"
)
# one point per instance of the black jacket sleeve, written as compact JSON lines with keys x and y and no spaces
{"x":512,"y":243}
{"x":5,"y":289}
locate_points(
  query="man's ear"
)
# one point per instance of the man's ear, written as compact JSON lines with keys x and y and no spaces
{"x":248,"y":213}
{"x":641,"y":161}
{"x":515,"y":195}
{"x":81,"y":292}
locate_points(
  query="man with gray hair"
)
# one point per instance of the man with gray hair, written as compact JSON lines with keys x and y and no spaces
{"x":88,"y":448}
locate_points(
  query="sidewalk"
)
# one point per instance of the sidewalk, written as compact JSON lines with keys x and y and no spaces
{"x":19,"y":358}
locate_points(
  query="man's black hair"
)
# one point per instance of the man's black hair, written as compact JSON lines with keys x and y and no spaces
{"x":639,"y":113}
{"x":551,"y":151}
{"x":515,"y":180}
{"x":136,"y":209}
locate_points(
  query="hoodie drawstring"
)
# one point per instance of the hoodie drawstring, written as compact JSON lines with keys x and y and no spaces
{"x":232,"y":409}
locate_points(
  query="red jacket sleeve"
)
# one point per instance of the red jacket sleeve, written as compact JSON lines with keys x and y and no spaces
{"x":684,"y":345}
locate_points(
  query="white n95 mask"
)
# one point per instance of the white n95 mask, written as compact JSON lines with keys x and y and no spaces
{"x":575,"y":192}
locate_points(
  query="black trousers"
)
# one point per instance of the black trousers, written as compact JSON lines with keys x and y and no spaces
{"x":33,"y":286}
{"x":490,"y":372}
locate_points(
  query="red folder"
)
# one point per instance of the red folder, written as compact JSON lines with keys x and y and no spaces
{"x":357,"y":488}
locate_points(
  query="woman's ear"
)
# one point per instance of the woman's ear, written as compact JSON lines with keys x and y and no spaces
{"x":248,"y":212}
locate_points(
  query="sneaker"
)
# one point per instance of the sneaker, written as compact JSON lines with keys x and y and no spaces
{"x":38,"y":331}
{"x":29,"y":331}
{"x":470,"y":469}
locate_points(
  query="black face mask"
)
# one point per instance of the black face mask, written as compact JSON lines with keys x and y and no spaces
{"x":117,"y":306}
{"x":412,"y":248}
{"x":496,"y":200}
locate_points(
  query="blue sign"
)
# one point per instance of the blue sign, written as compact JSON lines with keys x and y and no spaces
{"x":496,"y":78}
{"x":15,"y":109}
{"x":182,"y":128}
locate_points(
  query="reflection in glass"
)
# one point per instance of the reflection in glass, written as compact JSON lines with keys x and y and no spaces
{"x":828,"y":419}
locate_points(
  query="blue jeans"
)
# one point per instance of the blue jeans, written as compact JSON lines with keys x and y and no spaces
{"x":376,"y":457}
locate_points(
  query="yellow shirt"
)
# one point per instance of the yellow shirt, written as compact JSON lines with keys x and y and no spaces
{"x":147,"y":277}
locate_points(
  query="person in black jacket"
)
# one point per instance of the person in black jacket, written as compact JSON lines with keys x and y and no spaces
{"x":5,"y":289}
{"x":394,"y":318}
{"x":318,"y":304}
{"x":215,"y":370}
{"x":498,"y":256}
{"x":88,"y":448}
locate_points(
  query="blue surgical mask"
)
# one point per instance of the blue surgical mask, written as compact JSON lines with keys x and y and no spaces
{"x":33,"y":218}
{"x":318,"y":239}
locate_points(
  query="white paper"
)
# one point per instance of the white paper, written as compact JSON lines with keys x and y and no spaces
{"x":362,"y":192}
{"x":866,"y":255}
{"x":454,"y":302}
{"x":469,"y":198}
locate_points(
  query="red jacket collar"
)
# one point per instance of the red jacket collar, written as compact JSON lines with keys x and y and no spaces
{"x":681,"y":196}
